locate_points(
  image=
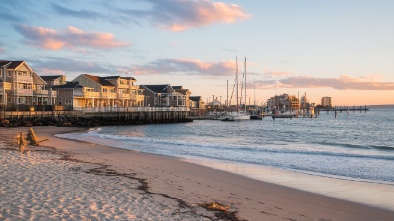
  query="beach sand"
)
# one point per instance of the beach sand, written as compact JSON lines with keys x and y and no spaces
{"x":73,"y":180}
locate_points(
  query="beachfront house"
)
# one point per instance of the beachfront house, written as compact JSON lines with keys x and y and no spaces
{"x":185,"y":92}
{"x":197,"y":106}
{"x":112,"y":91}
{"x":164,"y":95}
{"x":19,"y":84}
{"x":70,"y":95}
{"x":53,"y":80}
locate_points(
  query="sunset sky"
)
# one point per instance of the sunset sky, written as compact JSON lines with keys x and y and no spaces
{"x":338,"y":48}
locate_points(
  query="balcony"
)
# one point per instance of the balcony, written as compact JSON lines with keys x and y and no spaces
{"x":108,"y":95}
{"x":45,"y":93}
{"x":5,"y":86}
{"x":91,"y":94}
{"x":123,"y":96}
{"x":17,"y":78}
{"x":24,"y":92}
{"x":136,"y":97}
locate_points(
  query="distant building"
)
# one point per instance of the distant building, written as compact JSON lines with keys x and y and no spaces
{"x":215,"y":102}
{"x":283,"y":102}
{"x":197,"y":106}
{"x":326,"y":102}
{"x":196,"y":102}
{"x":304,"y":102}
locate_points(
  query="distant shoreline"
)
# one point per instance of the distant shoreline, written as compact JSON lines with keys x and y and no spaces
{"x":383,"y":106}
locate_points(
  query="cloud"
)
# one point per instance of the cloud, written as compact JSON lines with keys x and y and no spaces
{"x":2,"y":50}
{"x":74,"y":13}
{"x":10,"y":6}
{"x":276,"y":73}
{"x":186,"y":67}
{"x":9,"y":17}
{"x":342,"y":83}
{"x":180,"y":15}
{"x":55,"y":65}
{"x":70,"y":38}
{"x":170,"y":67}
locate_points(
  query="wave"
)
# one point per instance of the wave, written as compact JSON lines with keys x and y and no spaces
{"x":355,"y":146}
{"x":383,"y":148}
{"x":193,"y":148}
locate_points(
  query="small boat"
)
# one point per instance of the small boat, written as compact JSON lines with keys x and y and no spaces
{"x":234,"y":116}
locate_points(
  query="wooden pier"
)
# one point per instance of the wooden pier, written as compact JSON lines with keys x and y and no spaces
{"x":346,"y":108}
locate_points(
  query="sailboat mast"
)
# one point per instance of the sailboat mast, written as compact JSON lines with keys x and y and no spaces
{"x":236,"y":79}
{"x":245,"y":82}
{"x":227,"y":105}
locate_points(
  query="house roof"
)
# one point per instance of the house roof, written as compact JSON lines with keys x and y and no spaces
{"x":161,"y":88}
{"x":68,"y":85}
{"x":13,"y":65}
{"x":117,"y":77}
{"x":195,"y":98}
{"x":177,"y":87}
{"x":182,"y":91}
{"x":4,"y":62}
{"x":99,"y":80}
{"x":50,"y":78}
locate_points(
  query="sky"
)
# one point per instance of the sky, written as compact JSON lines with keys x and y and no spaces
{"x":343,"y":49}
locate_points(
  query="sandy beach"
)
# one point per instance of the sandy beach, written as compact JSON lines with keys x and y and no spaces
{"x":72,"y":180}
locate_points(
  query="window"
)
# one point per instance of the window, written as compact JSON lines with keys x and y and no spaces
{"x":105,"y":90}
{"x":68,"y":102}
{"x":1,"y":73}
{"x":9,"y":73}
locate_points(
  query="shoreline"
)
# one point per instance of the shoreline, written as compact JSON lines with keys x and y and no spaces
{"x":196,"y":184}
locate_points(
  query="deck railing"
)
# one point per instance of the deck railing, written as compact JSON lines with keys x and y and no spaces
{"x":129,"y":109}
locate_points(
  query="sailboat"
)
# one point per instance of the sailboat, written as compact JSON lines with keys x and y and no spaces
{"x":239,"y":115}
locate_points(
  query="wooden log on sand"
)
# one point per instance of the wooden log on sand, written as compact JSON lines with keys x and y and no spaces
{"x":22,"y":143}
{"x":31,"y":136}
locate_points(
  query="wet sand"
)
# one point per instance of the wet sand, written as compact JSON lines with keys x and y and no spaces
{"x":76,"y":180}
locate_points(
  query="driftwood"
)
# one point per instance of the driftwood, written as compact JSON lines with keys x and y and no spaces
{"x":31,"y":136}
{"x":22,"y":143}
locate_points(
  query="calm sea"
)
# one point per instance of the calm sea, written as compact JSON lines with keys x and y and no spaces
{"x":354,"y":146}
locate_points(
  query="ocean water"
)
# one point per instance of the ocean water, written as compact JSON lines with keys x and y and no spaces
{"x":353,"y":146}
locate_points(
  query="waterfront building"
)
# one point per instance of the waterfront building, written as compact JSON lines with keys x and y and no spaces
{"x":326,"y":102}
{"x":283,"y":102}
{"x":164,"y":95}
{"x":113,"y":91}
{"x":19,"y":84}
{"x":185,"y":92}
{"x":88,"y":91}
{"x":197,"y":106}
